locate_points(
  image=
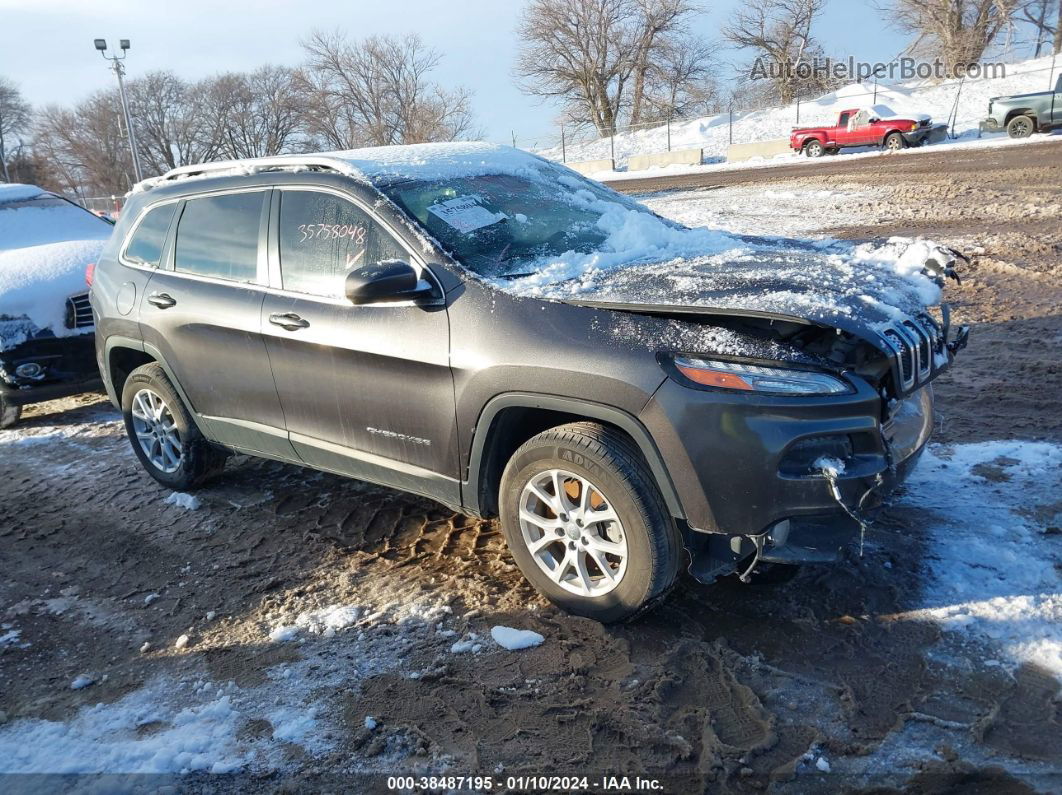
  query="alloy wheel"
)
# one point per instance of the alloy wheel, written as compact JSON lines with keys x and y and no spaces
{"x":573,"y":533}
{"x":156,"y":432}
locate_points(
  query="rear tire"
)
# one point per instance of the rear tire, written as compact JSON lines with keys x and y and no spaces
{"x":562,"y":544}
{"x":1021,"y":127}
{"x":162,"y":433}
{"x":10,"y":413}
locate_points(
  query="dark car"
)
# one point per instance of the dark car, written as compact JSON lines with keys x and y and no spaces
{"x":486,"y":328}
{"x":46,"y":347}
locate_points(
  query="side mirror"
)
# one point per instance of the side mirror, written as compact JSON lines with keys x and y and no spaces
{"x":390,"y":280}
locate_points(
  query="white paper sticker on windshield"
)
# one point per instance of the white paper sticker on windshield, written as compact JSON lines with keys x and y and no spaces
{"x":465,"y":214}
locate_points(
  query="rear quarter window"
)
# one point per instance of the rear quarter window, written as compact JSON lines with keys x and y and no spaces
{"x":145,"y":245}
{"x":217,"y":236}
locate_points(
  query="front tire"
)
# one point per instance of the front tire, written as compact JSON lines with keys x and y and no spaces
{"x":1021,"y":127}
{"x":162,"y":433}
{"x":894,"y":142}
{"x":587,"y":524}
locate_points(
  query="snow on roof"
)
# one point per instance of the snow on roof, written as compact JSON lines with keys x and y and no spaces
{"x":379,"y":163}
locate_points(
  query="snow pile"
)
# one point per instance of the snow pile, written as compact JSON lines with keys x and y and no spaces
{"x":105,"y":738}
{"x":11,"y":637}
{"x":329,"y":620}
{"x":919,"y":99}
{"x":187,"y":501}
{"x":81,"y":682}
{"x":283,"y":633}
{"x":43,"y":254}
{"x":992,"y":569}
{"x":515,"y":639}
{"x":293,"y":725}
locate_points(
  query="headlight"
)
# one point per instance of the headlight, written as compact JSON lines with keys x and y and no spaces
{"x":755,"y":378}
{"x":914,"y":126}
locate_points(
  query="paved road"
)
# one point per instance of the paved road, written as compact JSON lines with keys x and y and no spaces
{"x":911,"y":165}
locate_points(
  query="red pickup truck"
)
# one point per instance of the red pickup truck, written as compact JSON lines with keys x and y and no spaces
{"x":866,"y":127}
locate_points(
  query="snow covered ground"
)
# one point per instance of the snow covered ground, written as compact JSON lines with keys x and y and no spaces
{"x":995,"y":569}
{"x":712,"y":133}
{"x":992,"y":579}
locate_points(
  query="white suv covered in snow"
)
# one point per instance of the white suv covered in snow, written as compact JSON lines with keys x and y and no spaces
{"x":46,"y":328}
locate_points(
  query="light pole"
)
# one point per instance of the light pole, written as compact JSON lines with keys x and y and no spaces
{"x":877,"y":73}
{"x":3,"y":154}
{"x":119,"y":71}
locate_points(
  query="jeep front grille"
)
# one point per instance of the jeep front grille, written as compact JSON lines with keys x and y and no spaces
{"x":78,"y":311}
{"x":918,"y":351}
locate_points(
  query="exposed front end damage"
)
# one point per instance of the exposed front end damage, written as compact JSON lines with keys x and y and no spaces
{"x":786,"y":479}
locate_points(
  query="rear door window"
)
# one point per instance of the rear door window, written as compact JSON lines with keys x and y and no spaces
{"x":145,"y":246}
{"x":217,"y":236}
{"x":323,"y":238}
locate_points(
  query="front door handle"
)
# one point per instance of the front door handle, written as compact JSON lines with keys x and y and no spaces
{"x":289,"y":321}
{"x":161,"y":300}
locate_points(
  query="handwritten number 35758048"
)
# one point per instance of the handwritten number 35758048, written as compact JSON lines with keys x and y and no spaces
{"x":332,"y":232}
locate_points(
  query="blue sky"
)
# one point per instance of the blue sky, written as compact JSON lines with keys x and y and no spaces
{"x":48,"y":43}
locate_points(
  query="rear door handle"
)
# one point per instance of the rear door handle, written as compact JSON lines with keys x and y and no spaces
{"x":289,"y":321}
{"x":161,"y":300}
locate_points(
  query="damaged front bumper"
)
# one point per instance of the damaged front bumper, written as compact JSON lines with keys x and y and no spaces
{"x":931,"y":134}
{"x":991,"y":124}
{"x":793,"y":511}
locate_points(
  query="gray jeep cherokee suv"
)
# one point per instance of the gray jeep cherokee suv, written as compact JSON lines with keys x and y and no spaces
{"x":491,"y":330}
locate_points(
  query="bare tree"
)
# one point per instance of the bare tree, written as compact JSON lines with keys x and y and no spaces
{"x":609,"y":59}
{"x":779,"y":32}
{"x":85,"y":145}
{"x":378,"y":91}
{"x":14,"y":120}
{"x":1039,"y":14}
{"x":957,"y":32}
{"x":173,"y":124}
{"x":681,"y":83}
{"x":256,"y":114}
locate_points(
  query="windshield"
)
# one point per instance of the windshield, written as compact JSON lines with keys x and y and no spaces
{"x":505,"y":225}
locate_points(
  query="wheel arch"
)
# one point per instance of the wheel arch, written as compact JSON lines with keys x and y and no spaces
{"x":122,"y":355}
{"x":508,"y":420}
{"x":1022,"y":112}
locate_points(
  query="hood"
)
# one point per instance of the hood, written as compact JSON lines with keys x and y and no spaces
{"x":34,"y":284}
{"x":876,"y":292}
{"x":1005,"y":97}
{"x":863,"y":289}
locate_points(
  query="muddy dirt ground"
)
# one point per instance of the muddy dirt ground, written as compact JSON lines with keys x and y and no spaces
{"x":822,"y":683}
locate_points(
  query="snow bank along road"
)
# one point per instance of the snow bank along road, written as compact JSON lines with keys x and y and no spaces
{"x":283,"y":623}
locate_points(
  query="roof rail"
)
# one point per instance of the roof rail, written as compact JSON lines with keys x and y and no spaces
{"x":249,"y":166}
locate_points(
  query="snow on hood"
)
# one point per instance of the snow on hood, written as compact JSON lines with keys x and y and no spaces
{"x":43,"y":254}
{"x":14,"y":191}
{"x":648,"y":261}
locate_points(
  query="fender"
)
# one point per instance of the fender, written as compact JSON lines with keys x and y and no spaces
{"x":150,"y":350}
{"x":585,"y":408}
